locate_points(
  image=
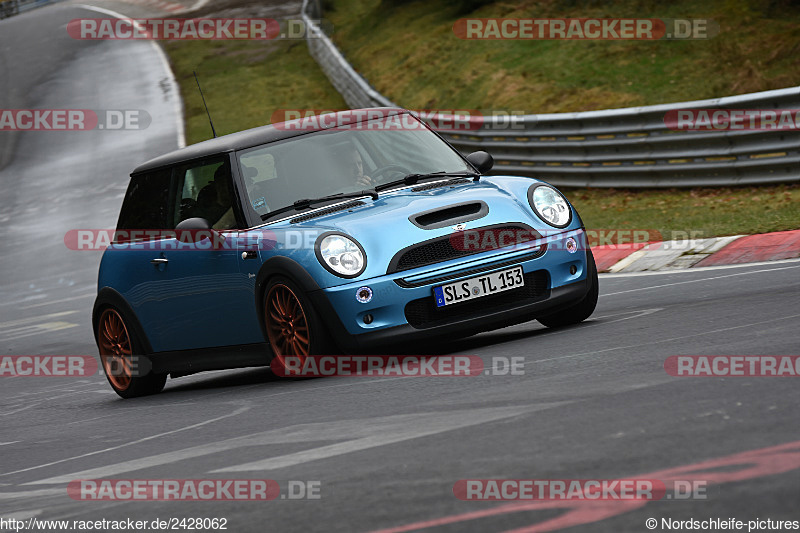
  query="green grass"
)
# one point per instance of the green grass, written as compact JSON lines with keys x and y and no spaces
{"x":245,"y":82}
{"x":711,"y":212}
{"x":408,"y":51}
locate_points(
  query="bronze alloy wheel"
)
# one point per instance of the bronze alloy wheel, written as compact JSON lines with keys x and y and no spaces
{"x":287,"y":325}
{"x":116,"y":349}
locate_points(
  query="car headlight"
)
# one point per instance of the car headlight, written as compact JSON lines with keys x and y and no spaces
{"x":550,"y":205}
{"x":341,"y":255}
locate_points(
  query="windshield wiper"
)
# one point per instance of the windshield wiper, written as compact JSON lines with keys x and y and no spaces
{"x":412,"y":179}
{"x":308,"y":202}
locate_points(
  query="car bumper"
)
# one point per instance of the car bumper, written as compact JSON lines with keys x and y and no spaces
{"x":403,"y":309}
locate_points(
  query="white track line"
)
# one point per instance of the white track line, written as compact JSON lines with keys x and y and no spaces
{"x":673,"y":339}
{"x":132,"y":443}
{"x":698,"y":280}
{"x":611,"y":275}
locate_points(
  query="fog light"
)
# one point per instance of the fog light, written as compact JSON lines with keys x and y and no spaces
{"x":364,"y":295}
{"x":572,"y":246}
{"x":573,"y":269}
{"x":368,"y":319}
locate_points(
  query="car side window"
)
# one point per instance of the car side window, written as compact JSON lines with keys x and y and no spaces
{"x":204,"y":190}
{"x":145,"y":206}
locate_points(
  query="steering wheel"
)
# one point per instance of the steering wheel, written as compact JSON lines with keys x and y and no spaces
{"x":396,"y":168}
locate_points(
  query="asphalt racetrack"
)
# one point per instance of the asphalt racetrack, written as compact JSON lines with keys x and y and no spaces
{"x":594,"y":400}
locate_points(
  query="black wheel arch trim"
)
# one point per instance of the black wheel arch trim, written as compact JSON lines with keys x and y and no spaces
{"x":108,"y":297}
{"x":285,"y":266}
{"x":282,"y":266}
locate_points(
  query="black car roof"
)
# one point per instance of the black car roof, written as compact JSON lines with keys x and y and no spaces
{"x":249,"y":138}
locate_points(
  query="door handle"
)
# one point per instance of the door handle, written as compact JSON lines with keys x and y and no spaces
{"x":249,"y":255}
{"x":159,"y":261}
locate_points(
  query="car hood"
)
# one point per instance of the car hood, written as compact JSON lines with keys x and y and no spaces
{"x":383,"y":227}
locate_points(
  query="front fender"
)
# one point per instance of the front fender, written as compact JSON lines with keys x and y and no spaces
{"x":280,"y":266}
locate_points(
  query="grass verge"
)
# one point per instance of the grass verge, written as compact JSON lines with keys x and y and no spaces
{"x":711,"y":212}
{"x":408,"y":51}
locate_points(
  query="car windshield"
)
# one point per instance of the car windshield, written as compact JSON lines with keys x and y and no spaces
{"x":344,"y":160}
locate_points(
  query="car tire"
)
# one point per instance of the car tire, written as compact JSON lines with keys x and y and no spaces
{"x":292,"y":325}
{"x":119,"y":347}
{"x":583,"y":309}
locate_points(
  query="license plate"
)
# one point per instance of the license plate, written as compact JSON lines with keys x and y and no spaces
{"x":477,"y":287}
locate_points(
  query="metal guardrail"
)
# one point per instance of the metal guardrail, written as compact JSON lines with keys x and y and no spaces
{"x":353,"y":87}
{"x":634,"y":148}
{"x":629,"y":147}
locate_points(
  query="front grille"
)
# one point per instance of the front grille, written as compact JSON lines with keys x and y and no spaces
{"x":423,"y":313}
{"x":455,"y":275}
{"x":446,"y":248}
{"x":328,"y":211}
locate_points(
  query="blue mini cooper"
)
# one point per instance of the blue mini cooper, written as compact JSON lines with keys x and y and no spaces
{"x":343,"y":233}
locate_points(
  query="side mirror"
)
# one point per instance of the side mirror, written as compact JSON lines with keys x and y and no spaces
{"x":194,"y":230}
{"x":481,"y":160}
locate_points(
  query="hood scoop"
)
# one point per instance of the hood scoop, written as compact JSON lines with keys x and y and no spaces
{"x":450,"y":215}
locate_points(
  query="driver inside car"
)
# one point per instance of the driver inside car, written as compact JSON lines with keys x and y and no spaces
{"x":220,"y":194}
{"x":357,"y":164}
